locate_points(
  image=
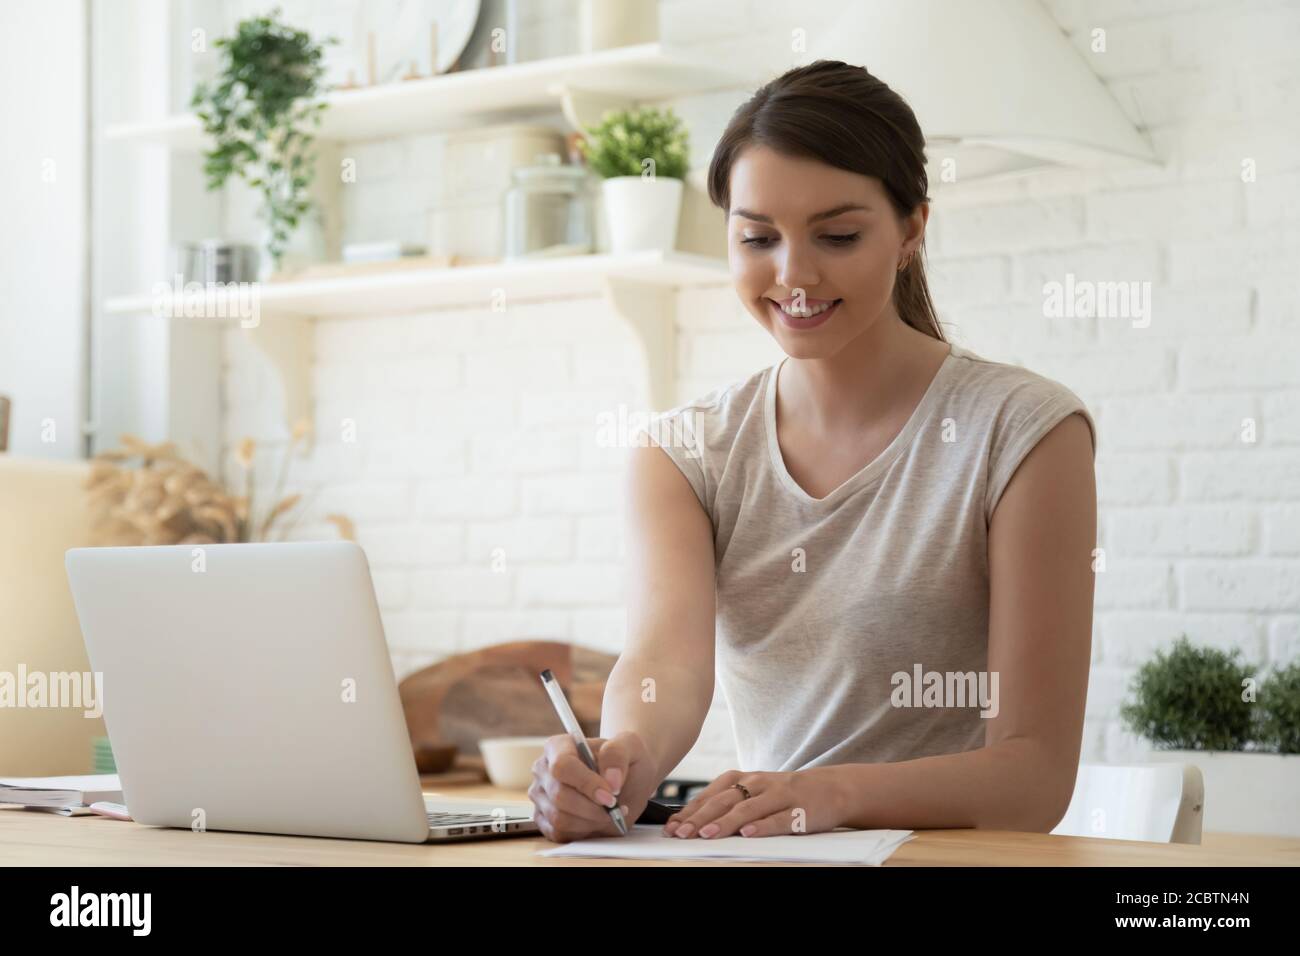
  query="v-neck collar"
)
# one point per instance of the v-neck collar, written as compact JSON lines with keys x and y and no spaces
{"x":871,"y":472}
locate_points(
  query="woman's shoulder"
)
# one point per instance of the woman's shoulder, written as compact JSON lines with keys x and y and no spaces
{"x":718,"y":412}
{"x":1013,"y":399}
{"x":699,"y":435}
{"x":1005,"y":387}
{"x":1013,"y":407}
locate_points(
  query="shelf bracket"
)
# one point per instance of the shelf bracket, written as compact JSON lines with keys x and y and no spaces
{"x":286,"y":342}
{"x":649,"y":310}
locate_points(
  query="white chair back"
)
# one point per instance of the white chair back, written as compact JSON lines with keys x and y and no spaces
{"x":1158,"y":803}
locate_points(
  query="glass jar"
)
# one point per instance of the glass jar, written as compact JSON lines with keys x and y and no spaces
{"x":548,"y":210}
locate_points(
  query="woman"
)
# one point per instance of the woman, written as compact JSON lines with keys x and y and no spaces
{"x":892,"y":535}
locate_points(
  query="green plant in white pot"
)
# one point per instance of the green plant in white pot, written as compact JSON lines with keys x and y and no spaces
{"x":642,"y":155}
{"x":1203,"y":706}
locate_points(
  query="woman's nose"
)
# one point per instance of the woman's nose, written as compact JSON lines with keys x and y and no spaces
{"x":796,"y":269}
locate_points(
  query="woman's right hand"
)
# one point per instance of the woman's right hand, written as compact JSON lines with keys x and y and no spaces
{"x":572,"y":800}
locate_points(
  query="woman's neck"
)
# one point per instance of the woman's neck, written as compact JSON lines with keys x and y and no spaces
{"x":888,"y":364}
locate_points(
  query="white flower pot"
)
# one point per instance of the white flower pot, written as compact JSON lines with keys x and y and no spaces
{"x":1245,"y":792}
{"x":642,"y":212}
{"x":604,"y":24}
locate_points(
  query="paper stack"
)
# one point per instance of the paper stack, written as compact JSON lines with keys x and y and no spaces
{"x":61,"y":793}
{"x":648,"y":842}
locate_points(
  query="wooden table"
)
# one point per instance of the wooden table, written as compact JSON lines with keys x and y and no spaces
{"x":40,"y":839}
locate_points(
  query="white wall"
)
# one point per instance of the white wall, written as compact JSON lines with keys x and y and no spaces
{"x":43,"y":225}
{"x":476,"y":431}
{"x":153,"y":378}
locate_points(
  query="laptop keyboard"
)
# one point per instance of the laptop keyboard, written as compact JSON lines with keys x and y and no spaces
{"x":450,"y":818}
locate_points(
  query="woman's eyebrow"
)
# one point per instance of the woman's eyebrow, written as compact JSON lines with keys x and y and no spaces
{"x":815,"y":217}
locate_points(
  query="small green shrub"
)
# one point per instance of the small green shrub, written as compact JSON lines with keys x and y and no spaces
{"x":1279,"y":710}
{"x":621,"y":142}
{"x":1191,"y":699}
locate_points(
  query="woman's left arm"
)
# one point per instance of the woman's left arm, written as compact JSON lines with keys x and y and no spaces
{"x":1041,"y":540}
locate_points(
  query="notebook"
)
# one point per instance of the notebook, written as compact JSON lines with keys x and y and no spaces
{"x":648,"y":842}
{"x":60,"y":793}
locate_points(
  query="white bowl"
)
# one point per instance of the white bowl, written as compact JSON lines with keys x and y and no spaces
{"x":509,"y":760}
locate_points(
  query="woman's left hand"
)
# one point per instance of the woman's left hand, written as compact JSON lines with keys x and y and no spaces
{"x":779,"y":804}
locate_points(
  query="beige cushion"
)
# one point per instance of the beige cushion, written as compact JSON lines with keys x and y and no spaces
{"x":42,"y":514}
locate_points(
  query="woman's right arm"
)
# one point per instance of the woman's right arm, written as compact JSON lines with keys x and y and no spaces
{"x":659,"y":691}
{"x":670,"y":598}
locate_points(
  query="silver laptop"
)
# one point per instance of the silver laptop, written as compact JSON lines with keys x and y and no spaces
{"x":249,"y":687}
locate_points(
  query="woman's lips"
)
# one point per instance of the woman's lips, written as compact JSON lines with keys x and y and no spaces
{"x":801,"y":323}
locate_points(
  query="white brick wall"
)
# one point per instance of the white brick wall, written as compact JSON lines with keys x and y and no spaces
{"x":476,"y":430}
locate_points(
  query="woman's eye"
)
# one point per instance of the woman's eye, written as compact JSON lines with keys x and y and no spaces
{"x":841,"y":239}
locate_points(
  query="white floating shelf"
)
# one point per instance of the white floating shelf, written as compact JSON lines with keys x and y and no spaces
{"x":641,"y":73}
{"x":411,"y":290}
{"x":637,"y":287}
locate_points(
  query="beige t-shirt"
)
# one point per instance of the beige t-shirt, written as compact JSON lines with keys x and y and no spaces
{"x":825,"y":604}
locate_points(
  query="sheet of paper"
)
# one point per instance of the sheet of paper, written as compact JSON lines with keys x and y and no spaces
{"x":648,"y":842}
{"x":90,"y":781}
{"x":62,"y":811}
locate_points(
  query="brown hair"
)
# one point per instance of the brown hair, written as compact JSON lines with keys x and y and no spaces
{"x":845,"y":117}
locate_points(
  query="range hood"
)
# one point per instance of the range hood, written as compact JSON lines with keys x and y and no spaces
{"x":996,"y":84}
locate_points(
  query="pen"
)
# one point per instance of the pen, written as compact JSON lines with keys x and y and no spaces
{"x":561,"y":704}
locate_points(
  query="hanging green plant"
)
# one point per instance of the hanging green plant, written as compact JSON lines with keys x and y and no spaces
{"x":262,"y":112}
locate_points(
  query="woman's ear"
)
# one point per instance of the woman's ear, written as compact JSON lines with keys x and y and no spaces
{"x":914,"y":226}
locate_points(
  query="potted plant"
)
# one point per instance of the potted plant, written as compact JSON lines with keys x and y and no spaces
{"x":1279,"y":711}
{"x":1203,"y":706}
{"x":261,"y":112}
{"x":641,"y":154}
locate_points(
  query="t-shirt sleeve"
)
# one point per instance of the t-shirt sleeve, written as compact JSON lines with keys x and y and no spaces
{"x":677,"y":432}
{"x":1032,"y":412}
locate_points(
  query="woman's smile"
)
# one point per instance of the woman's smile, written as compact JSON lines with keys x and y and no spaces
{"x":807,"y":314}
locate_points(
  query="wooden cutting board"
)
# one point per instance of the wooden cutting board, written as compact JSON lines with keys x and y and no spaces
{"x":463,"y":770}
{"x":497,"y":692}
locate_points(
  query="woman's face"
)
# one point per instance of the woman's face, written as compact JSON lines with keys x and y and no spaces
{"x":814,"y":249}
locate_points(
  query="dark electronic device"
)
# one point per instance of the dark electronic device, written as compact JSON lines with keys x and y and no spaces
{"x":670,"y":797}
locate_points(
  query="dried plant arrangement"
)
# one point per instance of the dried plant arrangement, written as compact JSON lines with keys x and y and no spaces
{"x":143,"y":494}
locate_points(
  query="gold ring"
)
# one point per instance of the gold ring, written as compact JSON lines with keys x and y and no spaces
{"x":742,"y":788}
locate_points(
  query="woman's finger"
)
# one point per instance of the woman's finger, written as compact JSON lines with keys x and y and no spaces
{"x":577,"y":804}
{"x":775,"y":824}
{"x":568,"y":769}
{"x":719,"y":785}
{"x":542,"y":814}
{"x":559,"y":826}
{"x":757,"y":807}
{"x":713,"y":808}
